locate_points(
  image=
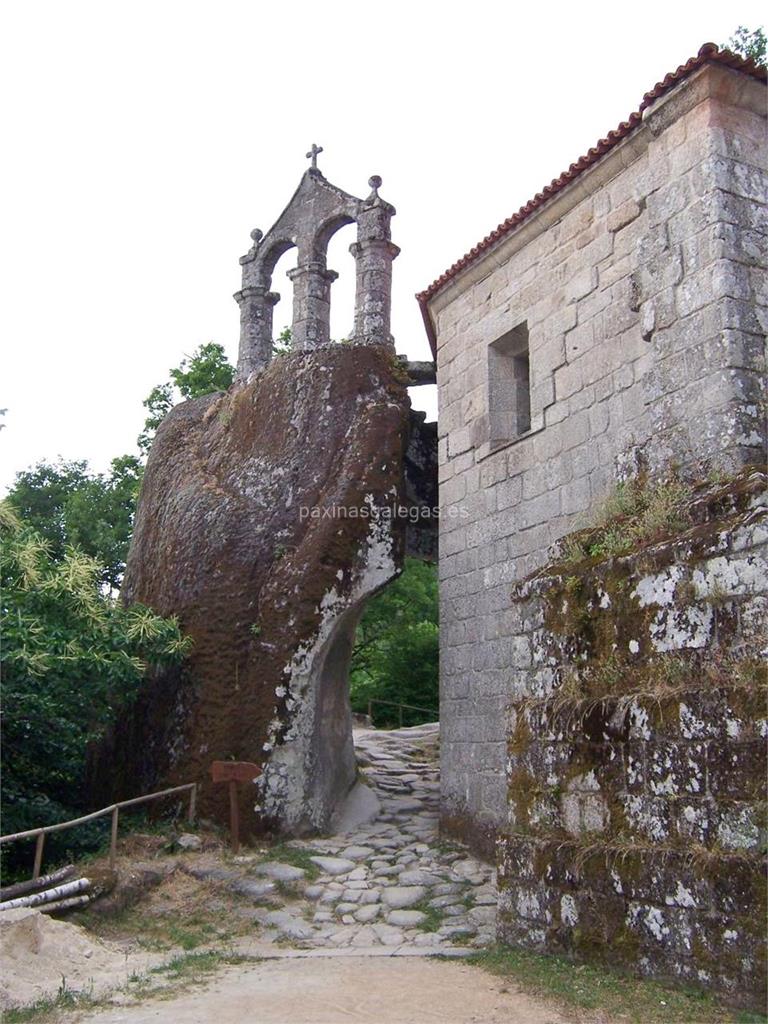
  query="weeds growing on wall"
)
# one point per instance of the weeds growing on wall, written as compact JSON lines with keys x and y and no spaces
{"x":636,"y":513}
{"x":615,"y":685}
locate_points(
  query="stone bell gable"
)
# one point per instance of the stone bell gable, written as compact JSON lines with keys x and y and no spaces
{"x":315,"y":213}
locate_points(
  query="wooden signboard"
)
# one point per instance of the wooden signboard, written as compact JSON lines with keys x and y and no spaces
{"x":233,"y":772}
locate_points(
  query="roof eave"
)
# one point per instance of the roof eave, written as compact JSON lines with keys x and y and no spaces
{"x":708,"y":54}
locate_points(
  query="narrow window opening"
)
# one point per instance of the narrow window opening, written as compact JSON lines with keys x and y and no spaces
{"x":509,"y":385}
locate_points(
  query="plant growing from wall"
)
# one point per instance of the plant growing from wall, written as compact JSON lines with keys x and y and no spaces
{"x":748,"y":43}
{"x":637,"y":512}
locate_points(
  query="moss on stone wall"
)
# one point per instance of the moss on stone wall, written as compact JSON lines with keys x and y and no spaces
{"x":637,"y":778}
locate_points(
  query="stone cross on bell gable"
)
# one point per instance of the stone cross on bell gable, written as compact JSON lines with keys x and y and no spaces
{"x":313,"y":153}
{"x":316,"y":212}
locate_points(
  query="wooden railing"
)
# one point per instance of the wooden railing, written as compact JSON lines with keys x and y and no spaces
{"x":113,"y":809}
{"x":395,"y":704}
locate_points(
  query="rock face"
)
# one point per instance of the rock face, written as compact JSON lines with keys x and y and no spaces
{"x":265,"y":521}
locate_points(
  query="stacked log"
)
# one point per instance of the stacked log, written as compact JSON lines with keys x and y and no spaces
{"x":49,"y":893}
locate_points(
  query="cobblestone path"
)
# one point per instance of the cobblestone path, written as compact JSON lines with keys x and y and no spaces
{"x":388,"y":882}
{"x":355,"y":942}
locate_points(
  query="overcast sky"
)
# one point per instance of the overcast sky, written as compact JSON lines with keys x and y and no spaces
{"x":145,"y":140}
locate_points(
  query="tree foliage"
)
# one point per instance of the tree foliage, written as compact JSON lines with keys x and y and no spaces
{"x":70,"y":656}
{"x":158,"y":404}
{"x":205,"y":371}
{"x":282,"y":343}
{"x":395,"y":657}
{"x":70,"y":506}
{"x":748,"y":43}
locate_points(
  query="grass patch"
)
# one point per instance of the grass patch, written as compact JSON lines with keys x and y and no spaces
{"x":287,"y":890}
{"x":587,"y":987}
{"x":195,"y":966}
{"x":154,"y":931}
{"x":434,"y":916}
{"x":50,"y":1008}
{"x":296,"y":857}
{"x":448,"y":846}
{"x":635,"y":514}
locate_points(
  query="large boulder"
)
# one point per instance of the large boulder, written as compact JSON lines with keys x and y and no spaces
{"x":264,"y":523}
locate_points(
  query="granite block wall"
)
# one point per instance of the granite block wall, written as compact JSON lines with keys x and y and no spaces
{"x":642,"y":288}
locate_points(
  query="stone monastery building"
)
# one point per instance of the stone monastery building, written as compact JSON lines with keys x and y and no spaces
{"x":616,"y":321}
{"x":611,"y":330}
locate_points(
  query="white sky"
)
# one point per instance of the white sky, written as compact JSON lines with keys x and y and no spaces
{"x":145,"y":140}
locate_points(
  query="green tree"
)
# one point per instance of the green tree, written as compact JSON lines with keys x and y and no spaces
{"x":69,"y":505}
{"x":748,"y":44}
{"x":282,"y":343}
{"x":70,"y":656}
{"x":158,"y":404}
{"x":395,"y":656}
{"x":205,"y":371}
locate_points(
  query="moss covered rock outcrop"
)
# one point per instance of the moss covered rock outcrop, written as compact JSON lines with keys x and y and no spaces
{"x":265,"y":520}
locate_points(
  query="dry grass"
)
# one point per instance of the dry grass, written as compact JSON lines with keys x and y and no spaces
{"x":615,"y":686}
{"x":636,"y":513}
{"x":181,"y":913}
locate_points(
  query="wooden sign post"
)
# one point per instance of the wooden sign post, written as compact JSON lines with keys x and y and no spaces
{"x":233,"y":772}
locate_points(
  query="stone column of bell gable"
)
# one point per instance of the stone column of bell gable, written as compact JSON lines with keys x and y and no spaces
{"x":373,"y":295}
{"x":256,"y":309}
{"x":311,"y":304}
{"x":374,"y":253}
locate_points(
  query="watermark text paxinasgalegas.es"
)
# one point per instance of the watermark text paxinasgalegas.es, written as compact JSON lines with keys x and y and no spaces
{"x":413,"y":513}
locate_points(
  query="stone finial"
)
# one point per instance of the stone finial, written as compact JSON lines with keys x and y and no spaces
{"x":312,"y":155}
{"x":375,"y":182}
{"x":256,"y":237}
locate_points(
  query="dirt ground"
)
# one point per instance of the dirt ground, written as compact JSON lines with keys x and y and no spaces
{"x":37,"y":952}
{"x":343,"y":990}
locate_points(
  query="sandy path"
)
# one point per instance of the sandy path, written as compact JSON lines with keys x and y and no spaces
{"x":348,"y":990}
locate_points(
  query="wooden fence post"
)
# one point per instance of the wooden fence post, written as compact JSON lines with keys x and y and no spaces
{"x":38,"y":855}
{"x":234,"y":816}
{"x":113,"y":840}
